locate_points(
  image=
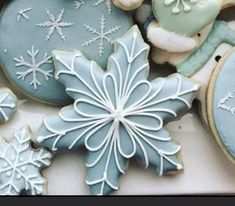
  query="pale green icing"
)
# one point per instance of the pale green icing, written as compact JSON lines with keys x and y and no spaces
{"x":189,"y":22}
{"x":20,"y":166}
{"x":8,"y":103}
{"x":27,"y":36}
{"x":224,"y":104}
{"x":220,"y":33}
{"x":117,"y":114}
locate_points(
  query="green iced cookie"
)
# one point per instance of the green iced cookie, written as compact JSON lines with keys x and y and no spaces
{"x":185,"y":17}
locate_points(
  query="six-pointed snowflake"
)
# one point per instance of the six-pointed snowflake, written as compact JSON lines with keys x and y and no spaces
{"x":55,"y":24}
{"x":117,"y":114}
{"x":107,"y":2}
{"x":22,"y":13}
{"x":101,"y":36}
{"x":7,"y":104}
{"x":20,"y":166}
{"x":33,"y":68}
{"x":180,"y":3}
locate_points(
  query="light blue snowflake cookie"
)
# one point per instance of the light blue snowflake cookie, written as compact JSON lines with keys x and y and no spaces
{"x":30,"y":30}
{"x":117,"y":114}
{"x":20,"y":166}
{"x":7,"y":104}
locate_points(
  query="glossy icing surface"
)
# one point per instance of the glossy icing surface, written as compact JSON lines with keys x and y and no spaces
{"x":20,"y":166}
{"x":117,"y":114}
{"x":31,"y":29}
{"x":185,"y":17}
{"x":223,"y":104}
{"x":220,"y":33}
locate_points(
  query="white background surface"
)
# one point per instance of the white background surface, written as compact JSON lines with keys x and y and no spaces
{"x":207,"y":170}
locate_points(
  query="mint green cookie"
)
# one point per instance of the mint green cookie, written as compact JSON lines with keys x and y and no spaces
{"x":185,"y":17}
{"x":30,"y":30}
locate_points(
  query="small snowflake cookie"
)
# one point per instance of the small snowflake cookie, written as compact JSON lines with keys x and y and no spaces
{"x":20,"y":166}
{"x":44,"y":25}
{"x":173,"y":25}
{"x":8,"y":103}
{"x":117,"y":114}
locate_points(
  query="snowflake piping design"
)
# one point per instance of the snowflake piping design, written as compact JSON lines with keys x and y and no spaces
{"x":55,"y":24}
{"x":7,"y":104}
{"x":108,"y":4}
{"x":222,"y":103}
{"x":34,"y":68}
{"x":117,"y":114}
{"x":22,"y":14}
{"x":78,"y":4}
{"x":178,"y":3}
{"x":20,"y":166}
{"x":100,"y":36}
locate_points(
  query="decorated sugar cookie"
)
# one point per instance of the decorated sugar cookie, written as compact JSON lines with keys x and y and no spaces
{"x":30,"y":30}
{"x":173,"y":26}
{"x":178,"y":21}
{"x":221,"y":104}
{"x":20,"y":166}
{"x":217,"y":97}
{"x":7,"y":104}
{"x":199,"y":64}
{"x":117,"y":114}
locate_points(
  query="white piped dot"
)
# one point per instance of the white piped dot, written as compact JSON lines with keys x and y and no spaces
{"x":23,"y":169}
{"x":8,"y":173}
{"x":179,"y":167}
{"x":21,"y":159}
{"x":5,"y":164}
{"x":13,"y":158}
{"x":18,"y":176}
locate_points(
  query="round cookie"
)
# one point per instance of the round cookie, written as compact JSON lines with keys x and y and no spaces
{"x":221,"y":104}
{"x":31,"y":29}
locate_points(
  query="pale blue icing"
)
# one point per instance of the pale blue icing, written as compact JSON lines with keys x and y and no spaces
{"x":117,"y":114}
{"x":20,"y":165}
{"x":26,"y":31}
{"x":7,"y":104}
{"x":220,"y":33}
{"x":224,"y":104}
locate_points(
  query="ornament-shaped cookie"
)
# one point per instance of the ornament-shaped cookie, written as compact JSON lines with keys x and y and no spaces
{"x":220,"y":101}
{"x":30,"y":30}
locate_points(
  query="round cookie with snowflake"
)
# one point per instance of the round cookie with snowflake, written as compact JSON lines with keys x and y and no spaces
{"x":221,"y":104}
{"x":30,"y":30}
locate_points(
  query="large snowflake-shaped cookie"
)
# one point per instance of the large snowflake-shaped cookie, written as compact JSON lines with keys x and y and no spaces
{"x":20,"y":165}
{"x":117,"y":114}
